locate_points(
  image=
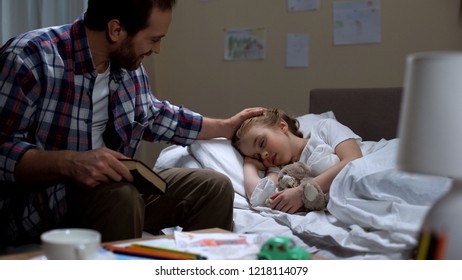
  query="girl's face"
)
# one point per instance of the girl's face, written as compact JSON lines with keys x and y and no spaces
{"x":270,"y":145}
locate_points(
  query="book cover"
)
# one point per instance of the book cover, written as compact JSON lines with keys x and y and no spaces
{"x":146,"y":180}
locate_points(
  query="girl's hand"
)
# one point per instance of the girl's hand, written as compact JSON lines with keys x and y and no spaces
{"x":251,"y":175}
{"x":288,"y":200}
{"x":254,"y":162}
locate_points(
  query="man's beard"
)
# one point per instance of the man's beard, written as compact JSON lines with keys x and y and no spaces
{"x":125,"y":57}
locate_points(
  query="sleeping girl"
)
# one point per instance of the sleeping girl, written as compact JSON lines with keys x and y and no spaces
{"x":273,"y":140}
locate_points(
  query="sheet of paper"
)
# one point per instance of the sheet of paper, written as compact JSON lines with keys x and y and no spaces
{"x":221,"y":246}
{"x":245,"y":44}
{"x":303,"y":5}
{"x":297,"y":50}
{"x":356,"y":22}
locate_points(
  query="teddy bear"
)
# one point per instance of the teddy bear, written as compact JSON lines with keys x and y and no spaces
{"x":296,"y":174}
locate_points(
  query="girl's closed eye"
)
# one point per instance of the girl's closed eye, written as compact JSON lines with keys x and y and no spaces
{"x":262,"y":143}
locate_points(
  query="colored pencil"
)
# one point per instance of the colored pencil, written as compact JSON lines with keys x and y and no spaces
{"x":424,"y":245}
{"x":182,"y":253}
{"x":152,"y":253}
{"x":440,"y":246}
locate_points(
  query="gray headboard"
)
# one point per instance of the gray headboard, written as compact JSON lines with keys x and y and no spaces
{"x":372,"y":113}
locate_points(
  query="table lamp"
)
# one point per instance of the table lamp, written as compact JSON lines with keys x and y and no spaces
{"x":430,"y":132}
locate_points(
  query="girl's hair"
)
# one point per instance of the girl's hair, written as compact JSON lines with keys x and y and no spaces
{"x":132,"y":14}
{"x":269,"y":118}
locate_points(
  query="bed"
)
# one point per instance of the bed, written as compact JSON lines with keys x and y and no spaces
{"x":374,"y":211}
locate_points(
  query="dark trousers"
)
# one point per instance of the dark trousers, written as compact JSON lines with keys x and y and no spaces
{"x":195,"y":199}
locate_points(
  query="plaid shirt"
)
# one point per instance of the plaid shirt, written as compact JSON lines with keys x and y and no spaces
{"x":46,"y":81}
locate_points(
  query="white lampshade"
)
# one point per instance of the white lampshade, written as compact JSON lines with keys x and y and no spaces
{"x":430,"y":128}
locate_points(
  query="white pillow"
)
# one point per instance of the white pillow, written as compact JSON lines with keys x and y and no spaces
{"x":307,"y":121}
{"x":175,"y":156}
{"x":218,"y":154}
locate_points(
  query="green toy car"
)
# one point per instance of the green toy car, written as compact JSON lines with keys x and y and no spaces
{"x":282,"y":248}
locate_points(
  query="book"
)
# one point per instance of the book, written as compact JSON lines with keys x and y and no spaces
{"x":146,"y":180}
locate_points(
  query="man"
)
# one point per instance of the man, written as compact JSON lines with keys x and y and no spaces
{"x":74,"y":99}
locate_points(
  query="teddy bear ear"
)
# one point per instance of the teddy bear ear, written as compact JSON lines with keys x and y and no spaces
{"x":304,"y":167}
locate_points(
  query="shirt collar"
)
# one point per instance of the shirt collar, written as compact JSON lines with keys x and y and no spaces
{"x":82,"y":56}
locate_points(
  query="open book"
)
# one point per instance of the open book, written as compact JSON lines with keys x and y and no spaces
{"x":146,"y":180}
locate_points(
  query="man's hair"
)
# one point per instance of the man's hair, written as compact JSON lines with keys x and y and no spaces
{"x":132,"y":14}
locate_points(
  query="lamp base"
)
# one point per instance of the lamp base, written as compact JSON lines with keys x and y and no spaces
{"x":441,"y":232}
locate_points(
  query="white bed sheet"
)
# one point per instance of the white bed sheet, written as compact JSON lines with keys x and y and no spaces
{"x":374,"y":211}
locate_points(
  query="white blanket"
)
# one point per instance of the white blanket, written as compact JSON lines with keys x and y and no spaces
{"x":375,"y":211}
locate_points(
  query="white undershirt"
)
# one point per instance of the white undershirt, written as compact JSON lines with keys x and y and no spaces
{"x":100,"y":108}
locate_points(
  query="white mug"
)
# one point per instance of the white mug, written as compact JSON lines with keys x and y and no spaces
{"x":71,"y":244}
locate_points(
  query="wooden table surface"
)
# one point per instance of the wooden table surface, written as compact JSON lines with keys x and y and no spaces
{"x":35,"y":254}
